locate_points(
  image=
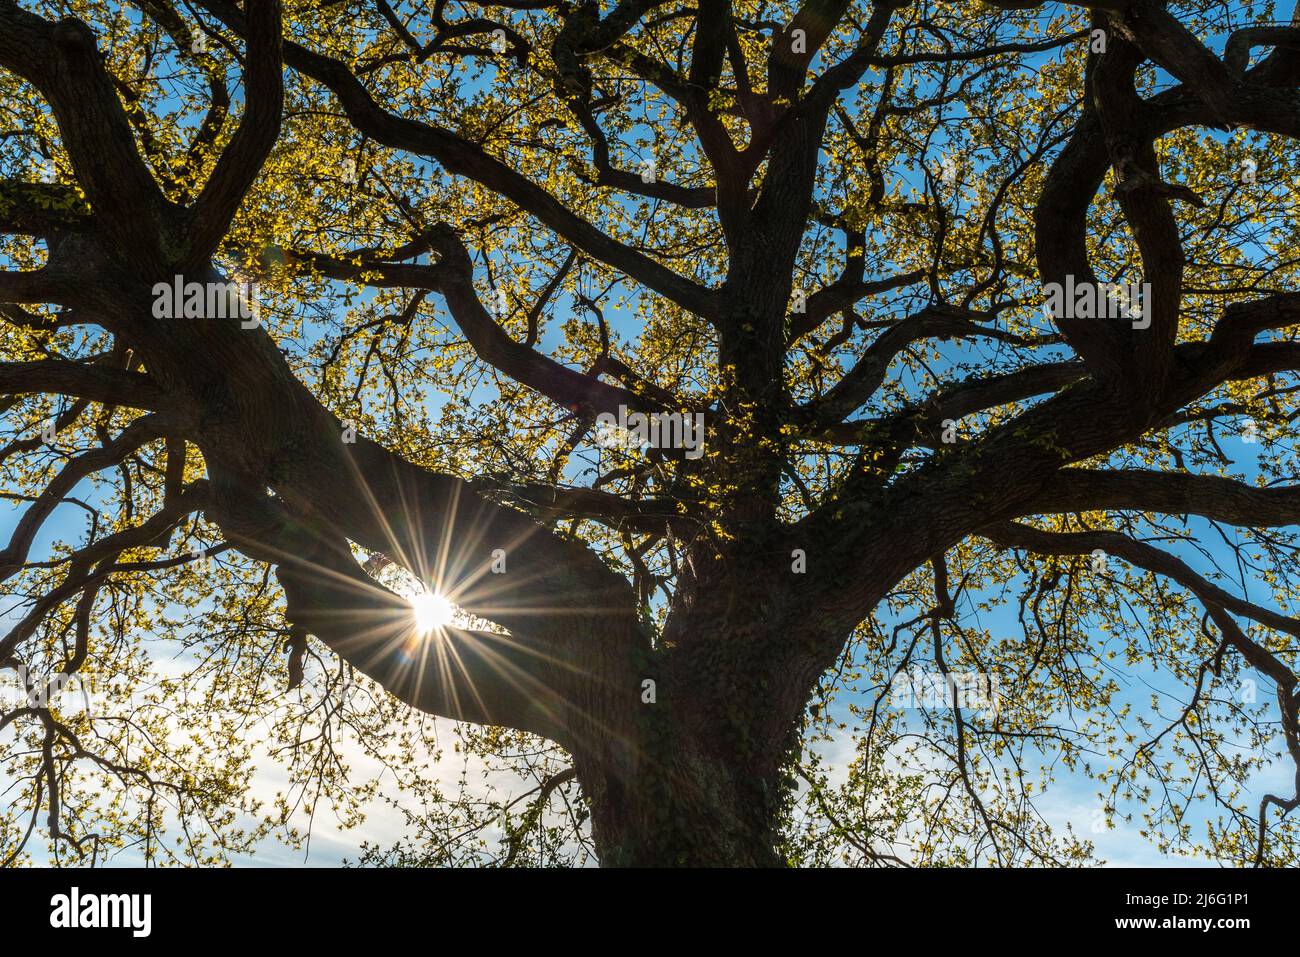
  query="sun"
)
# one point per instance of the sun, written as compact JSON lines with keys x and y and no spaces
{"x":431,"y":611}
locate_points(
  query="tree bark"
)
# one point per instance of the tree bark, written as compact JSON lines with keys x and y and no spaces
{"x":685,"y":805}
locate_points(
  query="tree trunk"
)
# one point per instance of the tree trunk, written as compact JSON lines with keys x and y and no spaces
{"x":681,"y":806}
{"x":701,"y":777}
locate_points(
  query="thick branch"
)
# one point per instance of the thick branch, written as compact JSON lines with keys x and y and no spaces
{"x":96,"y":382}
{"x":63,"y":63}
{"x":1212,"y":497}
{"x":240,"y":164}
{"x":41,"y":209}
{"x":452,"y":276}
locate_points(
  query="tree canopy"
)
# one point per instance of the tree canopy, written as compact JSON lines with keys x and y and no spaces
{"x":654,"y":391}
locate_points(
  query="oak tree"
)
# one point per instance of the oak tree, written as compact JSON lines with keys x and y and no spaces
{"x":323,"y":320}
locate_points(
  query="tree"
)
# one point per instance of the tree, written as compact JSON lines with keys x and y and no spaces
{"x":325,"y":304}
